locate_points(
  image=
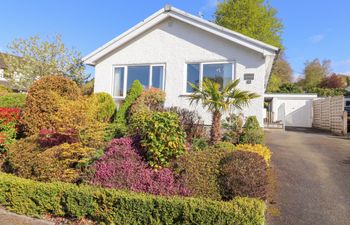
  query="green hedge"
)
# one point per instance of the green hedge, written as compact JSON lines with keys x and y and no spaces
{"x":120,"y":207}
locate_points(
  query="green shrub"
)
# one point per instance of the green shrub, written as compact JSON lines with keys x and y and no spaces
{"x":115,"y":130}
{"x":253,"y":133}
{"x":326,"y":92}
{"x":252,"y":136}
{"x":251,"y":123}
{"x":243,"y":174}
{"x":105,"y":106}
{"x":133,"y":93}
{"x":199,"y":144}
{"x":141,"y":110}
{"x":199,"y":171}
{"x":163,"y":138}
{"x":40,"y":105}
{"x":12,"y":100}
{"x":233,"y":128}
{"x":224,"y":145}
{"x":109,"y":206}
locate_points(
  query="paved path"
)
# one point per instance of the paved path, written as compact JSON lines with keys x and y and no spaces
{"x":8,"y":218}
{"x":313,"y":178}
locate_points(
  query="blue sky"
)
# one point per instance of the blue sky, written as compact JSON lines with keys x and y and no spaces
{"x":313,"y":29}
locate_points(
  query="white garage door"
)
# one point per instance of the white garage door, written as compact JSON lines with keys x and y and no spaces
{"x":298,"y":113}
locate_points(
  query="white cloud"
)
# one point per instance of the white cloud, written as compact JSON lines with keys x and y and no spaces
{"x":316,"y":38}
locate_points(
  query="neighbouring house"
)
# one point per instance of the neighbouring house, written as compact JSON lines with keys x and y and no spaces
{"x":3,"y":81}
{"x":171,"y":48}
{"x":290,"y":110}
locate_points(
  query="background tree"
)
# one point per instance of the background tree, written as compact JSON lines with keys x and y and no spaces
{"x":30,"y":59}
{"x":274,"y":83}
{"x":217,"y":100}
{"x":290,"y":88}
{"x":281,"y":73}
{"x":282,"y":69}
{"x":315,"y":71}
{"x":253,"y":18}
{"x":333,"y":81}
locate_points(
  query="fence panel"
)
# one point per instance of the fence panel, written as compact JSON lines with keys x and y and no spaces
{"x":328,"y":114}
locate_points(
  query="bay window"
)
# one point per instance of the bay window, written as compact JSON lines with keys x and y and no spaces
{"x":148,"y":75}
{"x":221,"y":73}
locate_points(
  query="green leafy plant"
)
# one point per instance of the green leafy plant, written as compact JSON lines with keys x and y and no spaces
{"x":110,"y":206}
{"x":12,"y":100}
{"x":106,"y":106}
{"x":199,"y":144}
{"x":233,"y":128}
{"x":134,"y":92}
{"x":224,"y":145}
{"x":163,"y":138}
{"x":253,"y":133}
{"x":243,"y":174}
{"x":219,"y":99}
{"x":141,"y":110}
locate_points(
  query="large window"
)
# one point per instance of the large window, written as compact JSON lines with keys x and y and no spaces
{"x":148,"y":75}
{"x":221,"y":73}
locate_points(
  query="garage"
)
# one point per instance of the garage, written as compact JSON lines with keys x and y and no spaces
{"x":288,"y":110}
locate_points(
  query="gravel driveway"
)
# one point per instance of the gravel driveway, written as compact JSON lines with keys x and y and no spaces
{"x":313,"y":178}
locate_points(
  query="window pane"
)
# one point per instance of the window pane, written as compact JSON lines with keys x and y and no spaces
{"x":192,"y":76}
{"x":140,"y":73}
{"x":118,"y":87}
{"x":157,"y":77}
{"x":220,"y":73}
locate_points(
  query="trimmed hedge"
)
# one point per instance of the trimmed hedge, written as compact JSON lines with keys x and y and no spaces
{"x":120,"y":207}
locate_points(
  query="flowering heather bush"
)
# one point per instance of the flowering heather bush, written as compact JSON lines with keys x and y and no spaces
{"x":122,"y":167}
{"x":50,"y":137}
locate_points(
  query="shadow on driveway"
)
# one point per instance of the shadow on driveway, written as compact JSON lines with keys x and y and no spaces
{"x":312,"y":169}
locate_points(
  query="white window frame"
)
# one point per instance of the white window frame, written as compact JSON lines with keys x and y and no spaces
{"x":126,"y":77}
{"x":201,"y":64}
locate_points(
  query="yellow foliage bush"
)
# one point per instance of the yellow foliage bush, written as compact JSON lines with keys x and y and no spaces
{"x":39,"y":104}
{"x":59,"y":163}
{"x":262,"y":150}
{"x":82,"y":116}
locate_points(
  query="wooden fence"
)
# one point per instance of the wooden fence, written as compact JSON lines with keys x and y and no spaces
{"x":329,"y":114}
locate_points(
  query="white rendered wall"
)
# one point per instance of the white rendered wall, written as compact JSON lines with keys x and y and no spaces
{"x":174,"y":44}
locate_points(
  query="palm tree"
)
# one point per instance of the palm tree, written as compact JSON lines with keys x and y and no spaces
{"x":218,"y":100}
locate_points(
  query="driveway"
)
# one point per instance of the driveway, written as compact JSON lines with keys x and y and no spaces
{"x":8,"y":218}
{"x":312,"y":173}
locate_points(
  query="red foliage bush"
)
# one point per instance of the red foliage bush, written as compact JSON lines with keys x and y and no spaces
{"x":9,"y":126}
{"x":49,"y":138}
{"x":122,"y":167}
{"x":333,"y":81}
{"x":243,"y":174}
{"x":10,"y":115}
